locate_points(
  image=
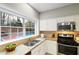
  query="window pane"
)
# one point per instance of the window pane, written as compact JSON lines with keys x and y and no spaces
{"x":13,"y":33}
{"x":30,"y":27}
{"x":21,"y":19}
{"x":13,"y":20}
{"x":5,"y":33}
{"x":28,"y":24}
{"x":33,"y":24}
{"x":33,"y":28}
{"x":28,"y":31}
{"x":2,"y":19}
{"x":25,"y":22}
{"x":19,"y":22}
{"x":5,"y":19}
{"x":32,"y":31}
{"x":20,"y":32}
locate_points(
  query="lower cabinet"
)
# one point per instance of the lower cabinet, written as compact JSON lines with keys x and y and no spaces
{"x":40,"y":49}
{"x":52,"y":47}
{"x":48,"y":46}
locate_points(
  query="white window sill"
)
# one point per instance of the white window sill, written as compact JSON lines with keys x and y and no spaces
{"x":13,"y":40}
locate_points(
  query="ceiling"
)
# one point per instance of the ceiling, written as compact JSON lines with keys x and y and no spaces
{"x":42,"y":7}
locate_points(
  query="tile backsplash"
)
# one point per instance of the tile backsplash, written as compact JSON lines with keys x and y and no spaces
{"x":49,"y":34}
{"x":53,"y":34}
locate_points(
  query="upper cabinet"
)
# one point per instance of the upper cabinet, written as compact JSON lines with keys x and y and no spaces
{"x":43,"y":25}
{"x":51,"y":24}
{"x":48,"y":25}
{"x":65,"y":19}
{"x":76,"y":19}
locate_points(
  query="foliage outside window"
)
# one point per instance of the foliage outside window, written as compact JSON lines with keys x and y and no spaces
{"x":13,"y":27}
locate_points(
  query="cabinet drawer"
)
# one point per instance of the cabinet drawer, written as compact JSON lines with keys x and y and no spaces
{"x":52,"y":47}
{"x":40,"y":49}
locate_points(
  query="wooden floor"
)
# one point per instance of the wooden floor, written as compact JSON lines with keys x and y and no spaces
{"x":52,"y":54}
{"x":48,"y":54}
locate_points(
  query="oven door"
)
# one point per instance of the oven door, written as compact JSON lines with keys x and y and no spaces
{"x":67,"y":49}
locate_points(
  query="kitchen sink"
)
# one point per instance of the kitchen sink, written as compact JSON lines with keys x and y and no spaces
{"x":32,"y":43}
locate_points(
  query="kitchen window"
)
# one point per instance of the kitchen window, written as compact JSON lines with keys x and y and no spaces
{"x":29,"y":27}
{"x":13,"y":27}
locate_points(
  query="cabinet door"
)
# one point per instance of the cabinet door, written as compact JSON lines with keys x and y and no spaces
{"x":77,"y":22}
{"x":65,"y":19}
{"x":43,"y":25}
{"x":39,"y":50}
{"x":48,"y":25}
{"x":35,"y":51}
{"x":43,"y":48}
{"x":52,"y":25}
{"x":52,"y":47}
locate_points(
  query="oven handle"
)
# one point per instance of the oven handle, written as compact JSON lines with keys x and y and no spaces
{"x":67,"y":45}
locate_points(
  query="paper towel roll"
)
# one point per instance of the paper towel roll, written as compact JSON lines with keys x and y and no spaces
{"x":42,"y":35}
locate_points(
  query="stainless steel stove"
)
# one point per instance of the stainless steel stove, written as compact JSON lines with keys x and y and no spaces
{"x":67,"y":44}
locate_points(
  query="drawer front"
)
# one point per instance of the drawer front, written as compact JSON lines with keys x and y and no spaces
{"x":52,"y":47}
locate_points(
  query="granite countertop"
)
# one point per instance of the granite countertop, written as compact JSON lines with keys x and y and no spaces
{"x":77,"y":39}
{"x":22,"y":49}
{"x":53,"y":39}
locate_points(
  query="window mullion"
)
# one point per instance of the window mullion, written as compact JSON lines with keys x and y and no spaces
{"x":24,"y":27}
{"x":10,"y":31}
{"x":0,"y":26}
{"x":0,"y":33}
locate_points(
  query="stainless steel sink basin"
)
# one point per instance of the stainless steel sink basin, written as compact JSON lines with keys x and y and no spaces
{"x":36,"y":41}
{"x":32,"y":43}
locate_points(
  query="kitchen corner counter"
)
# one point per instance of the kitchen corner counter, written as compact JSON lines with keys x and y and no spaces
{"x":53,"y":39}
{"x":77,"y":39}
{"x":22,"y":49}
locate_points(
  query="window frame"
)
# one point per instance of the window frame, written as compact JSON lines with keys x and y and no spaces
{"x":21,"y":38}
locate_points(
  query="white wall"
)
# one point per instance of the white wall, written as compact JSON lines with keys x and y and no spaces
{"x":22,"y":8}
{"x":60,"y":12}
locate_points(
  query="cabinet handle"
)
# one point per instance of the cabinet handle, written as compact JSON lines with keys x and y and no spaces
{"x":67,"y":45}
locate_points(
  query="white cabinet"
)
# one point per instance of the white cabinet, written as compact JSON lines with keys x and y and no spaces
{"x":48,"y":46}
{"x":77,"y":25}
{"x":52,"y":47}
{"x":40,"y":49}
{"x":43,"y":25}
{"x":52,"y":25}
{"x":48,"y":25}
{"x":65,"y":19}
{"x":76,"y":18}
